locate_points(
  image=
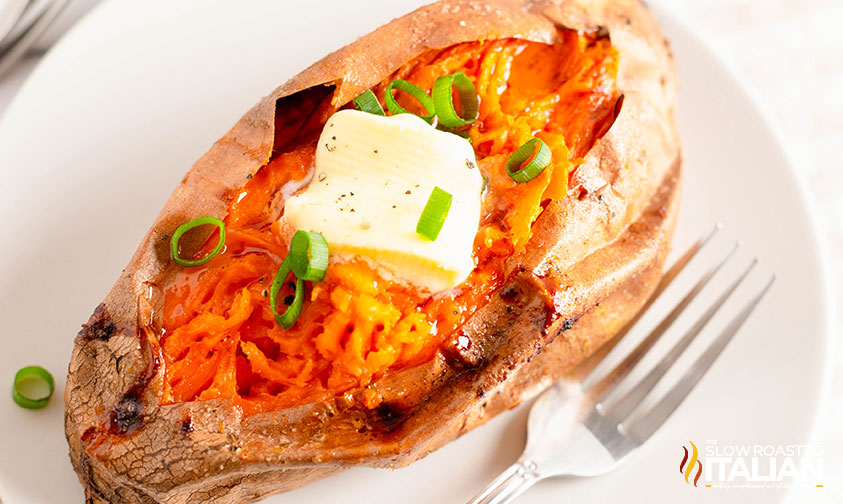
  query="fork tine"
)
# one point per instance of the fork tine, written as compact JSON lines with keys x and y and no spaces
{"x":655,"y":417}
{"x":16,"y":48}
{"x":600,"y":390}
{"x":586,"y":367}
{"x":623,"y":407}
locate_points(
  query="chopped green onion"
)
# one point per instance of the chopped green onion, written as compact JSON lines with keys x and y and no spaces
{"x":434,"y":214}
{"x":368,"y":102}
{"x":307,"y":260}
{"x":309,"y":256}
{"x":174,"y":242}
{"x":33,"y":387}
{"x":443,"y":100}
{"x":412,"y":90}
{"x":521,"y":173}
{"x":291,"y":314}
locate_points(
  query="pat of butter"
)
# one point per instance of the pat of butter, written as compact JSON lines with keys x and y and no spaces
{"x":372,"y":179}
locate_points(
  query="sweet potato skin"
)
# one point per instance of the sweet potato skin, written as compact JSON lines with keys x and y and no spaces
{"x":593,"y":259}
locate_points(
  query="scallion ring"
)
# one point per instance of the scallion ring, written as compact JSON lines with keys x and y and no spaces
{"x":443,"y":100}
{"x":518,"y":171}
{"x":434,"y":214}
{"x":368,"y":102}
{"x":416,"y":92}
{"x":309,"y":256}
{"x":291,"y":314}
{"x":33,"y":387}
{"x":184,"y":228}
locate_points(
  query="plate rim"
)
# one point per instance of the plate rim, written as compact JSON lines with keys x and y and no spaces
{"x":745,"y":88}
{"x":799,"y":179}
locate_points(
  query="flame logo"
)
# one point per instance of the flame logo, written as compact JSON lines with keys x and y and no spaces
{"x":687,"y":466}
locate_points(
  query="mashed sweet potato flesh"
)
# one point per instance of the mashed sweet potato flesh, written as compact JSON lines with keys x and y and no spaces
{"x":220,"y":338}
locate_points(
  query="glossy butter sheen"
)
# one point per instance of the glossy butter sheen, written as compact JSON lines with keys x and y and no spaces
{"x":373,"y":177}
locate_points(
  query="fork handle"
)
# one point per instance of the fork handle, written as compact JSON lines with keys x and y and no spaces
{"x":509,"y":485}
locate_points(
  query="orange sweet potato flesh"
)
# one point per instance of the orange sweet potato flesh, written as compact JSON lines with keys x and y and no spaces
{"x":181,"y":390}
{"x":220,"y":338}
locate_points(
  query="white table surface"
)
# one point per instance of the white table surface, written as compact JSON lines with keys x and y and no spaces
{"x":791,"y":53}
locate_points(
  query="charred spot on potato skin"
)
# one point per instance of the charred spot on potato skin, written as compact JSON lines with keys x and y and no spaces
{"x":510,"y":294}
{"x":128,"y":415}
{"x":384,"y":418}
{"x":616,"y":111}
{"x":100,"y":328}
{"x":566,"y":325}
{"x":117,"y":359}
{"x":187,"y":425}
{"x":103,"y":330}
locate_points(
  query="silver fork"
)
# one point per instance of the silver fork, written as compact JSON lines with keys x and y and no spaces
{"x":30,"y":28}
{"x":575,"y":430}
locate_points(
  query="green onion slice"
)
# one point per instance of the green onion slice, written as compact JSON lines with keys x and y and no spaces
{"x":434,"y":214}
{"x":184,"y":228}
{"x":291,"y":314}
{"x":368,"y":102}
{"x":443,"y":100}
{"x":521,"y":173}
{"x":309,"y":256}
{"x":33,"y":387}
{"x":412,"y":90}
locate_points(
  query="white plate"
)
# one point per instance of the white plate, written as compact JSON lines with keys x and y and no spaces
{"x":120,"y":109}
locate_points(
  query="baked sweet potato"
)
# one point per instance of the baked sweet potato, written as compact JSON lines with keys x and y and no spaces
{"x":568,"y":262}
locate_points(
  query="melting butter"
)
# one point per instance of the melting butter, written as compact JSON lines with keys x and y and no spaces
{"x":373,"y":176}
